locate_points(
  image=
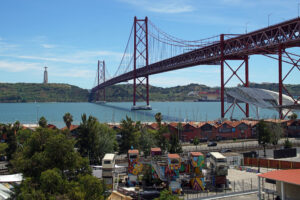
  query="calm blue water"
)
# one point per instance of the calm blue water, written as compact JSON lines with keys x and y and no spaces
{"x":115,"y":112}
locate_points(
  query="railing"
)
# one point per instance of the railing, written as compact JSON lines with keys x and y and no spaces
{"x":241,"y":186}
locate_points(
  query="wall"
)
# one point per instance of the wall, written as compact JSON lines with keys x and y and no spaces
{"x":268,"y":163}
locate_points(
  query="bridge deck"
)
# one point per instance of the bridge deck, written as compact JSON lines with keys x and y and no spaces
{"x":259,"y":42}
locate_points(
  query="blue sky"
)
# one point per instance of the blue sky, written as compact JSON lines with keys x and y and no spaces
{"x":69,"y":36}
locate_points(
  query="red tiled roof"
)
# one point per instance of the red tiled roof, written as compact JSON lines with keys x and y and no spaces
{"x":155,"y":149}
{"x":51,"y":126}
{"x":196,"y":154}
{"x":288,"y":176}
{"x":134,"y":151}
{"x":173,"y":124}
{"x":192,"y":124}
{"x":154,"y":125}
{"x":72,"y":127}
{"x":173,"y":155}
{"x":200,"y":124}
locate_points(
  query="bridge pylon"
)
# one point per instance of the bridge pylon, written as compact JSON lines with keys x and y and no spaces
{"x":100,"y":95}
{"x":140,"y":84}
{"x":244,"y":63}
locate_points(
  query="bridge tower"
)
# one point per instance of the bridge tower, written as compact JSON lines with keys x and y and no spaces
{"x":244,"y":63}
{"x":291,"y":61}
{"x":140,"y":84}
{"x":100,"y":96}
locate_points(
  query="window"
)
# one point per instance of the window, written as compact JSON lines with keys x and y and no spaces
{"x":106,"y":162}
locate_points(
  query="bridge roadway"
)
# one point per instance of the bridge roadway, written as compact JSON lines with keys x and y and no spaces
{"x":262,"y":41}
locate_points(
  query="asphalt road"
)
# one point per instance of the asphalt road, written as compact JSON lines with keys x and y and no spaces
{"x":231,"y":145}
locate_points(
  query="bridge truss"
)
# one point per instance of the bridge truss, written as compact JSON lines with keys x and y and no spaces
{"x":154,"y":51}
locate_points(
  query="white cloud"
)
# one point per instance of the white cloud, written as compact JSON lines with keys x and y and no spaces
{"x":80,"y":57}
{"x":73,"y":73}
{"x":15,"y":66}
{"x":48,"y":46}
{"x":166,"y":6}
{"x":12,"y":66}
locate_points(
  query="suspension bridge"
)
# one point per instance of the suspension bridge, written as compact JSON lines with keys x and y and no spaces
{"x":150,"y":50}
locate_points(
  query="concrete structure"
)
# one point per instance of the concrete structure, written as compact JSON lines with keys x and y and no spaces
{"x":108,"y":166}
{"x":45,"y":76}
{"x":287,"y":183}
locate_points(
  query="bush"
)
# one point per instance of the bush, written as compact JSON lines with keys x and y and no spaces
{"x":287,"y":144}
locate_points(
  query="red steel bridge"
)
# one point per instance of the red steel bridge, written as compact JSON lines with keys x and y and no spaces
{"x":150,"y":50}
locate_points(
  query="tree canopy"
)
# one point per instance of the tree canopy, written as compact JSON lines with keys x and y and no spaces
{"x":52,"y":168}
{"x":95,"y":139}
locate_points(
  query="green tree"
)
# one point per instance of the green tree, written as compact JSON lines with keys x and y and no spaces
{"x":48,"y":149}
{"x":129,"y":134}
{"x":264,"y":134}
{"x":52,"y":182}
{"x":287,"y":144}
{"x":293,"y":116}
{"x":53,"y":169}
{"x":11,"y":141}
{"x":180,"y":129}
{"x":68,"y":119}
{"x":95,"y":139}
{"x":167,"y":195}
{"x":175,"y":146}
{"x":147,"y":140}
{"x":158,"y":118}
{"x":93,"y":188}
{"x":276,"y":131}
{"x":3,"y":147}
{"x":17,"y":126}
{"x":196,"y":142}
{"x":43,"y":122}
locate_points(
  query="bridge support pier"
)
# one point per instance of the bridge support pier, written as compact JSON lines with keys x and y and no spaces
{"x":140,"y":84}
{"x":100,"y":96}
{"x":245,"y":82}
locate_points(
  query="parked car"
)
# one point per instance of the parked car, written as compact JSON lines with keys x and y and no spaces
{"x":225,"y":150}
{"x":211,"y":144}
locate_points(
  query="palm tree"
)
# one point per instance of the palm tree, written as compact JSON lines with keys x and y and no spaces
{"x":158,"y":118}
{"x":68,"y":119}
{"x":43,"y":122}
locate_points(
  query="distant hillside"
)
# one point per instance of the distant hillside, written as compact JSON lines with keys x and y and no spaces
{"x":293,"y":89}
{"x":180,"y":93}
{"x":30,"y":92}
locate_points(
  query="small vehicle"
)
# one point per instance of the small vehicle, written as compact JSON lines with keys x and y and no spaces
{"x":211,"y":144}
{"x":225,"y":150}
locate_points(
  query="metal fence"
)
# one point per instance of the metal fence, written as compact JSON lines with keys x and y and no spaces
{"x":240,"y":186}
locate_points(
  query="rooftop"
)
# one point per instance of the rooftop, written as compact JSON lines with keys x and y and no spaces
{"x":109,"y":156}
{"x":133,"y":151}
{"x":155,"y":149}
{"x":72,"y":127}
{"x":196,"y":154}
{"x":288,"y":176}
{"x":175,"y":156}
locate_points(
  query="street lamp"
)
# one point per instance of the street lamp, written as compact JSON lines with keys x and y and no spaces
{"x":298,"y":9}
{"x":246,"y":25}
{"x":269,"y":19}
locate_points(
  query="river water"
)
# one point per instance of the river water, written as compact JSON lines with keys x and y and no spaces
{"x":28,"y":113}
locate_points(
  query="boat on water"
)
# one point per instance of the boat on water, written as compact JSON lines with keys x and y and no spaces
{"x":100,"y":102}
{"x":144,"y":107}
